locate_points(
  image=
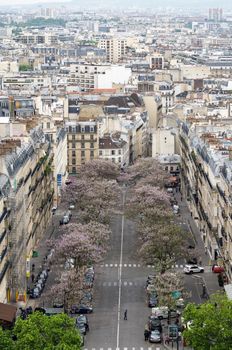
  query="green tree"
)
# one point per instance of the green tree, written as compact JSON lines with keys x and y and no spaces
{"x":41,"y":332}
{"x":6,"y":341}
{"x":209,"y":324}
{"x":25,"y":67}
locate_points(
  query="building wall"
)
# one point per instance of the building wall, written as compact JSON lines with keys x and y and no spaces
{"x":163,"y":142}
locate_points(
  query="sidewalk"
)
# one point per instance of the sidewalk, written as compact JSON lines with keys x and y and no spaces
{"x":43,"y":250}
{"x":210,"y":278}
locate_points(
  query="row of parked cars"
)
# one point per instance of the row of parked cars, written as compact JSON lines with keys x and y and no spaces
{"x":158,"y":313}
{"x":39,"y":285}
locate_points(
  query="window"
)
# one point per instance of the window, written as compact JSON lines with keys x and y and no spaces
{"x":82,"y":137}
{"x":73,"y":153}
{"x":113,"y":160}
{"x":82,"y":145}
{"x":113,"y":152}
{"x":48,"y":125}
{"x":91,"y":145}
{"x":73,"y":161}
{"x":166,"y":168}
{"x":91,"y":128}
{"x":83,"y":153}
{"x":73,"y":145}
{"x":91,"y":153}
{"x":74,"y":170}
{"x":82,"y":129}
{"x":171,"y":168}
{"x":119,"y":159}
{"x":119,"y":151}
{"x":73,"y":137}
{"x":91,"y":137}
{"x":100,"y":153}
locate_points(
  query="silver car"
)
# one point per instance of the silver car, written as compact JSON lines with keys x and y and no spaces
{"x":155,"y":336}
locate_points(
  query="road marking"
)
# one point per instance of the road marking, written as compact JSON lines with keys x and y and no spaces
{"x":120,"y":270}
{"x":111,"y":265}
{"x":125,"y":265}
{"x":130,"y":283}
{"x":115,"y":284}
{"x":129,"y":265}
{"x":106,"y":265}
{"x":134,"y":265}
{"x":115,"y":265}
{"x":125,"y":283}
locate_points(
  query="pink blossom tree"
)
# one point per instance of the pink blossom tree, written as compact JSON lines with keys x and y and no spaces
{"x":84,"y":243}
{"x":94,"y":199}
{"x":99,"y":169}
{"x":162,"y":245}
{"x":148,"y":202}
{"x":147,"y":170}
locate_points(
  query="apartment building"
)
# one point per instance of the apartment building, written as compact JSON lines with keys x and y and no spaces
{"x":83,"y":143}
{"x":115,"y":48}
{"x":206,"y":162}
{"x":113,"y":147}
{"x":26,"y":160}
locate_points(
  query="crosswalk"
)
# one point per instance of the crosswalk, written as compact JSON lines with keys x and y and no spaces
{"x":176,"y":266}
{"x":153,"y":347}
{"x":123,"y":283}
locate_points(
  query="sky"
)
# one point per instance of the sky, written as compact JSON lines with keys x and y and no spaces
{"x":127,"y":3}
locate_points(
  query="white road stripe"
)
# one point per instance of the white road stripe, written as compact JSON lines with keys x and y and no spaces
{"x":153,"y":266}
{"x":176,"y":266}
{"x":111,"y":265}
{"x":115,"y":265}
{"x":115,"y":283}
{"x":106,"y":265}
{"x":101,"y":348}
{"x":125,"y":265}
{"x":138,"y":265}
{"x":125,"y":283}
{"x":129,"y":265}
{"x":130,"y":283}
{"x":125,"y":348}
{"x":134,"y":265}
{"x":148,"y":266}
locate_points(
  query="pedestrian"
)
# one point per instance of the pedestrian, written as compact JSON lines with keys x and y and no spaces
{"x":146,"y":334}
{"x":166,"y":341}
{"x":33,"y":267}
{"x":200,"y":261}
{"x":32,"y":277}
{"x":125,"y":314}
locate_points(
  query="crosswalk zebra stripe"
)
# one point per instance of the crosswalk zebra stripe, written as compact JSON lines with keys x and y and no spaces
{"x":115,"y":265}
{"x":125,"y":265}
{"x":130,"y":283}
{"x":125,"y":283}
{"x":129,"y":265}
{"x":115,"y":283}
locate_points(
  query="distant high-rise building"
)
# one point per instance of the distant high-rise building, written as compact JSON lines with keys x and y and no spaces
{"x":216,"y":14}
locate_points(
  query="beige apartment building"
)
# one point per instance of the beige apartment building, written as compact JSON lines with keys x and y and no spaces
{"x":115,"y":48}
{"x":26,"y":199}
{"x":83,"y":143}
{"x":206,"y":162}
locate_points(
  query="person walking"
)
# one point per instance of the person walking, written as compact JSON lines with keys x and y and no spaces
{"x":146,"y":334}
{"x":32,"y":277}
{"x":125,"y":314}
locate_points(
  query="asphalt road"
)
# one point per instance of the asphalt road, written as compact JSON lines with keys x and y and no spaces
{"x":120,"y":286}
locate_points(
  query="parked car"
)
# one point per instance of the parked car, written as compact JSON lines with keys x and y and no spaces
{"x":82,"y":324}
{"x":155,"y":336}
{"x":163,"y":312}
{"x":81,"y":309}
{"x":86,"y":298}
{"x":190,"y":269}
{"x":154,"y":323}
{"x":71,"y":206}
{"x":217,"y":269}
{"x":152,"y":300}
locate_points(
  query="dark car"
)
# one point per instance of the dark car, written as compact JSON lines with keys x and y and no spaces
{"x":152,"y":300}
{"x":155,"y":323}
{"x":81,"y":309}
{"x":82,"y":324}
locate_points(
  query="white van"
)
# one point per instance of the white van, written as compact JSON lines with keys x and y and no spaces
{"x":162,"y":312}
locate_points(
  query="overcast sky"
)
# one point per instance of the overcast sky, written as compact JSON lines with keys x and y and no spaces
{"x":127,"y":3}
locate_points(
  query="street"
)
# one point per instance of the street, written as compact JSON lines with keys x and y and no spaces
{"x":120,"y":286}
